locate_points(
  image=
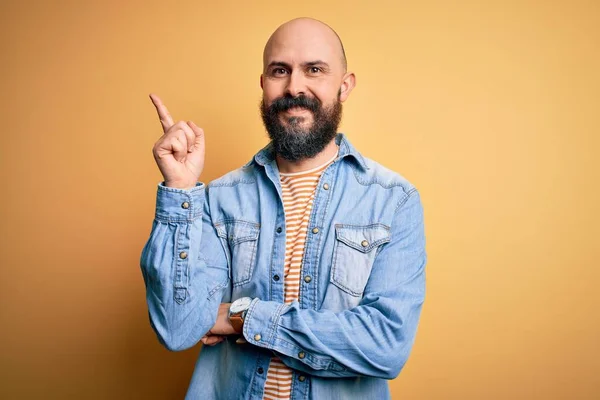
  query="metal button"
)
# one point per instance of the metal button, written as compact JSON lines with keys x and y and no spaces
{"x":307,"y":279}
{"x":301,"y":355}
{"x":301,"y":378}
{"x":257,"y":337}
{"x":183,"y":255}
{"x":260,"y":370}
{"x":185,"y":204}
{"x":275,"y":277}
{"x":364,"y":243}
{"x":279,"y":230}
{"x":315,"y":230}
{"x":326,"y":186}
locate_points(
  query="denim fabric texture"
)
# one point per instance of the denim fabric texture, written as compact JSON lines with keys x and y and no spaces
{"x":362,"y":280}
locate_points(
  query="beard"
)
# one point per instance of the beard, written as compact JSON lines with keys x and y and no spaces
{"x":292,"y":141}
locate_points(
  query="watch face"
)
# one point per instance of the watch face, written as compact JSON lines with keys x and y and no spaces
{"x":240,"y":305}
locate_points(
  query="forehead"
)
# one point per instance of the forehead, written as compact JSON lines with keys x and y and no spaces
{"x":295,"y":47}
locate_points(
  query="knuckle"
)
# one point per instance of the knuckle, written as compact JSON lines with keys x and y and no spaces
{"x":173,"y":132}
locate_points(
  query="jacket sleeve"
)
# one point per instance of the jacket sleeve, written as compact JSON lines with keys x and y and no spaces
{"x":184,"y":267}
{"x":374,"y":338}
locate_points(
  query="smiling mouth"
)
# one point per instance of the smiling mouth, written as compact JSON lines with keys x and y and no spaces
{"x":296,"y":110}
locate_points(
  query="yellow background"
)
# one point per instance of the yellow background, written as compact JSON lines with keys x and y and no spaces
{"x":490,"y":108}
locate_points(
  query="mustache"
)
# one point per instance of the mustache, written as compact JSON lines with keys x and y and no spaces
{"x":287,"y":102}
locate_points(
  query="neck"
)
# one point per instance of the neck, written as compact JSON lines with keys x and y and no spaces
{"x":287,"y":166}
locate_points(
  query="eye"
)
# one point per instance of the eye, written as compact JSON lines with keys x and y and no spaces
{"x":314,"y":70}
{"x":278,"y":71}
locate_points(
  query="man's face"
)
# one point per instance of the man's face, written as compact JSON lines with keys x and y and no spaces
{"x":302,"y":82}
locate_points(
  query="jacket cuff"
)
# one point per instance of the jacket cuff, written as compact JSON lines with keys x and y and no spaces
{"x":260,"y":324}
{"x":179,"y":205}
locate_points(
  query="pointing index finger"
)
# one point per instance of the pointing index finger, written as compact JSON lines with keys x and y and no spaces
{"x":163,"y":114}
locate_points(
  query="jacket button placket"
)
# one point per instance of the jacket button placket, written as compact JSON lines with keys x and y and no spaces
{"x":308,"y":292}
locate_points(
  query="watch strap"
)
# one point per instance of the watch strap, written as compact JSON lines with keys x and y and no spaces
{"x":237,"y":321}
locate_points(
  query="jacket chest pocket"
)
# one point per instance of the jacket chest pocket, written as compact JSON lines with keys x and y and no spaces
{"x":355,"y":250}
{"x":242,"y":239}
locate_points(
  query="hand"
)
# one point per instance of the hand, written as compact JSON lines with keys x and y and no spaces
{"x":221,"y":328}
{"x":179,"y":152}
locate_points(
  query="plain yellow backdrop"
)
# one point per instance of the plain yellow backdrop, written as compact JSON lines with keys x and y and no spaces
{"x":491,"y":108}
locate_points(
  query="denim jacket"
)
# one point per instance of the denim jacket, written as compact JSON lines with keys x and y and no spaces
{"x":362,"y":279}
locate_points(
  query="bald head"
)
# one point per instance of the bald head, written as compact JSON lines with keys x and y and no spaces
{"x":305,"y":37}
{"x":304,"y":84}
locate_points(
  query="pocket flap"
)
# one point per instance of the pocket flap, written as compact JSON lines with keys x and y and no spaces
{"x":363,"y":238}
{"x":238,"y":231}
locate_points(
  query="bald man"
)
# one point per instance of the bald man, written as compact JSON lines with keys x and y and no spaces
{"x":302,"y":272}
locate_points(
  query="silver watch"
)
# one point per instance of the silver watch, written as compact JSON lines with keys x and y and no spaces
{"x":237,"y":312}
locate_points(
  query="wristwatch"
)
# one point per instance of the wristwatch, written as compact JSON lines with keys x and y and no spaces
{"x":237,"y":312}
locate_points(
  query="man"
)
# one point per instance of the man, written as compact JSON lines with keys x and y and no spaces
{"x":301,"y":272}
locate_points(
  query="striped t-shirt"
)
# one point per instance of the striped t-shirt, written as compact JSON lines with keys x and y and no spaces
{"x":298,"y":193}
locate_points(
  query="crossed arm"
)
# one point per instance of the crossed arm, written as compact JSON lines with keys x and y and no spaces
{"x":184,"y":275}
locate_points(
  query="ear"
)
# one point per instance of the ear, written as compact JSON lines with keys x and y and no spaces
{"x":261,"y":81}
{"x":348,"y":83}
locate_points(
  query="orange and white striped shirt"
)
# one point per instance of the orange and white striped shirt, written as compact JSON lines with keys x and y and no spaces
{"x":298,"y":193}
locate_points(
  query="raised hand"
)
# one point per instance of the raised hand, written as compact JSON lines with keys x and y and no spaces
{"x":179,"y":153}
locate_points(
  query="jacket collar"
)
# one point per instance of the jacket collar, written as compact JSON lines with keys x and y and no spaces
{"x":266,"y":155}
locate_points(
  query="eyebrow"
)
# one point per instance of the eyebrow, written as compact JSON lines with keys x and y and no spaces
{"x":288,"y":66}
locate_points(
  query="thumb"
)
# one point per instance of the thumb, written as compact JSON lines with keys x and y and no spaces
{"x":198,"y":135}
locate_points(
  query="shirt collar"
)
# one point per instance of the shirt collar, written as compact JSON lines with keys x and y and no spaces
{"x":266,"y":155}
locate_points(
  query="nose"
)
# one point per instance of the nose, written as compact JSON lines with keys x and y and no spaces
{"x":296,"y":85}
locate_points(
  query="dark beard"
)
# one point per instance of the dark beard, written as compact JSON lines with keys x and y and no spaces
{"x":292,"y":142}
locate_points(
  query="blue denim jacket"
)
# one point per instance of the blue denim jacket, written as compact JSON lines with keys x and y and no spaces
{"x":362,"y":286}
